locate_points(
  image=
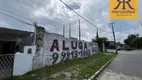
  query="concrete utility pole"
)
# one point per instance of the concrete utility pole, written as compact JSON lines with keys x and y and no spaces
{"x":141,"y":23}
{"x":104,"y":48}
{"x":35,"y":27}
{"x":63,"y":30}
{"x":79,"y":31}
{"x":114,"y":36}
{"x":69,"y":30}
{"x":97,"y":34}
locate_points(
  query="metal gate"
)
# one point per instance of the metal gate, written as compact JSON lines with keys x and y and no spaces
{"x":6,"y":66}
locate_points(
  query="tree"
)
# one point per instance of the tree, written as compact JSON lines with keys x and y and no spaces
{"x":100,"y":40}
{"x":134,"y":40}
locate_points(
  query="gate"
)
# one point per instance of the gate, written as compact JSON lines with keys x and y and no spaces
{"x":6,"y":66}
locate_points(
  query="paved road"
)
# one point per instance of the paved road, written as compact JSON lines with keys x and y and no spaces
{"x":126,"y":66}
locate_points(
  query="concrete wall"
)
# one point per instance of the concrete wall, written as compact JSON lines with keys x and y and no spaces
{"x":23,"y":61}
{"x":57,"y":48}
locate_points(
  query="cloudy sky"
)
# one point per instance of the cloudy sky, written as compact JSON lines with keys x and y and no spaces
{"x":52,"y":14}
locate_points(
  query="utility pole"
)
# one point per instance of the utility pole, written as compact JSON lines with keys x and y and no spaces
{"x":104,"y":49}
{"x":69,"y":30}
{"x":97,"y":35}
{"x":35,"y":29}
{"x":79,"y":31}
{"x":141,"y":23}
{"x":114,"y":36}
{"x":63,"y":30}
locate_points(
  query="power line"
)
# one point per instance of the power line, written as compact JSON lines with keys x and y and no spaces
{"x":46,"y":8}
{"x":82,"y":16}
{"x":32,"y":6}
{"x":37,"y":3}
{"x":68,"y":7}
{"x":16,"y":19}
{"x":42,"y":1}
{"x":29,"y":5}
{"x":79,"y":15}
{"x":25,"y":4}
{"x":16,"y":14}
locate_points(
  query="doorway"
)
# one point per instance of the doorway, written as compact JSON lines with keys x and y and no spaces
{"x":7,"y":47}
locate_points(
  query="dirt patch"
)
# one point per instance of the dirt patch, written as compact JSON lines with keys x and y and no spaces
{"x":67,"y":75}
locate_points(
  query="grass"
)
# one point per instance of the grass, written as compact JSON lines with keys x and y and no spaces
{"x":78,"y":68}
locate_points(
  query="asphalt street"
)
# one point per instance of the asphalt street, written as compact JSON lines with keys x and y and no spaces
{"x":126,"y":66}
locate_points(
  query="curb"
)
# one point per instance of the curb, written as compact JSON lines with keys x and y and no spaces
{"x":100,"y":69}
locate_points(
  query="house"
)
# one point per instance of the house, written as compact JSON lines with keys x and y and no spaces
{"x":13,"y":40}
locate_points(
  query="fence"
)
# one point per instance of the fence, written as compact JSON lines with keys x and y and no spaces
{"x":6,"y":66}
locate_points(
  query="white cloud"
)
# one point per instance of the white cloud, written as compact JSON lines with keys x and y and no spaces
{"x":56,"y":14}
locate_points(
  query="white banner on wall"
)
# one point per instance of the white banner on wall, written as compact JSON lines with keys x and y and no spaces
{"x":57,"y":48}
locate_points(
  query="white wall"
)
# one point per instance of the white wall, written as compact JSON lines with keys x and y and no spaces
{"x":47,"y":57}
{"x":23,"y":61}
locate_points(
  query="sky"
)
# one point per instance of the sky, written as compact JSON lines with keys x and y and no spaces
{"x":52,"y":15}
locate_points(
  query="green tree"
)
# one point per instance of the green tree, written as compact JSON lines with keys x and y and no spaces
{"x":134,"y":40}
{"x":100,"y":40}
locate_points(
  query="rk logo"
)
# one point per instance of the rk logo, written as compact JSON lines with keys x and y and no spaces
{"x":123,"y":9}
{"x":124,"y":2}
